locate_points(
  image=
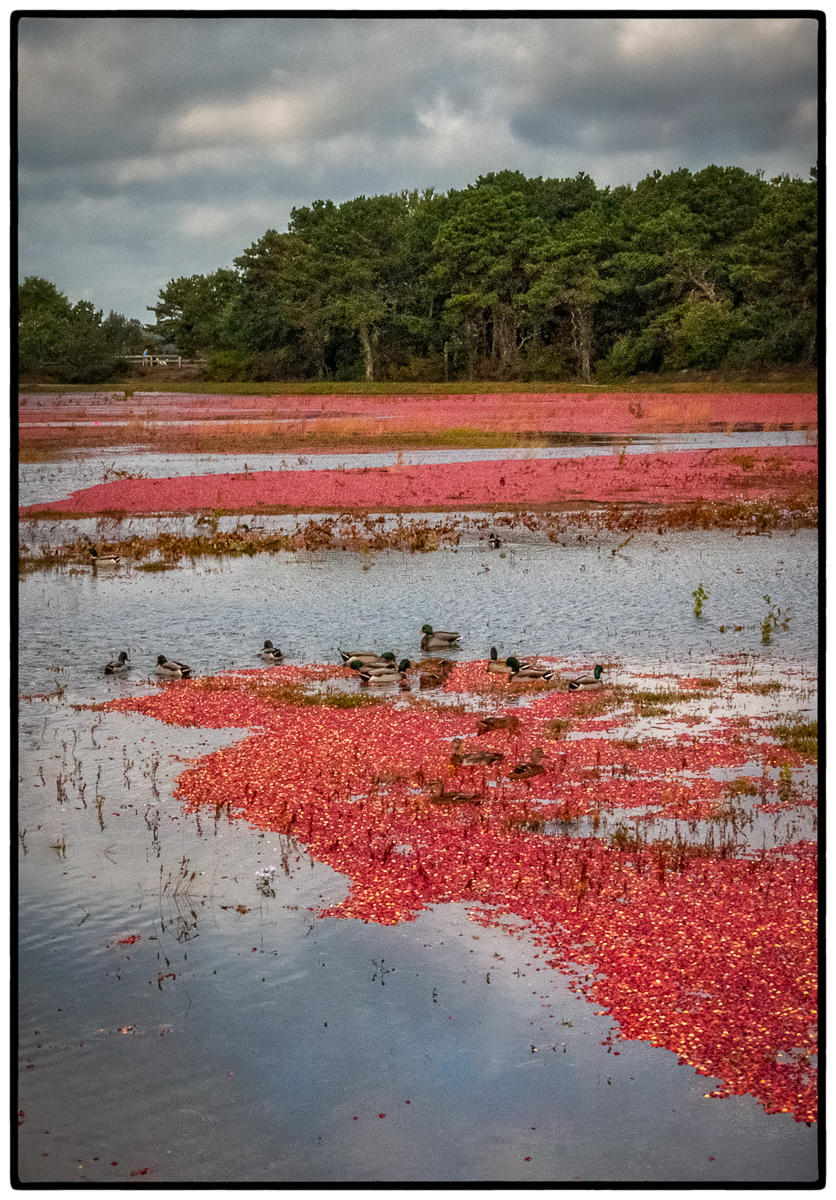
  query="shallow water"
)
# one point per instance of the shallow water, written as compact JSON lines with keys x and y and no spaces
{"x":577,"y":601}
{"x":239,"y":1038}
{"x":44,"y":481}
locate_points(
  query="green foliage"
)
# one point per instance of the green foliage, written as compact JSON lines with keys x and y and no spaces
{"x":785,"y":787}
{"x":797,"y":734}
{"x":700,"y":595}
{"x":774,"y":618}
{"x":508,"y":278}
{"x":71,"y":342}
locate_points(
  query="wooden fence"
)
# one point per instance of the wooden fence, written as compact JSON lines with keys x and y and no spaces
{"x":164,"y":360}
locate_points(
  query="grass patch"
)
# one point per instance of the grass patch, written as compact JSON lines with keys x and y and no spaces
{"x":741,"y":787}
{"x":790,"y":381}
{"x":647,"y":703}
{"x":557,"y":728}
{"x":613,"y":696}
{"x":797,"y":734}
{"x":761,"y":689}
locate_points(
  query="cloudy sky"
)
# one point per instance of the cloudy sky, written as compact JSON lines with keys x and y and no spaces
{"x":155,"y":147}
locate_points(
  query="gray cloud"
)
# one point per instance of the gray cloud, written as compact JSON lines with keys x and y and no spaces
{"x":151,"y":147}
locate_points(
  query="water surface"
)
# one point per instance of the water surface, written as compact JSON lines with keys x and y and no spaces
{"x":242,"y":1038}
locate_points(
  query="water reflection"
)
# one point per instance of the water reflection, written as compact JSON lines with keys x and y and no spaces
{"x":183,"y":1019}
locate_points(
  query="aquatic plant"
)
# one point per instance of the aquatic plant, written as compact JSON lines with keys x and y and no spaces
{"x":669,"y":923}
{"x":664,"y":477}
{"x":774,"y":618}
{"x":699,"y":597}
{"x":798,"y":734}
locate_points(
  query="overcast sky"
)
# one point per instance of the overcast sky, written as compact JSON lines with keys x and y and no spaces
{"x":156,"y":147}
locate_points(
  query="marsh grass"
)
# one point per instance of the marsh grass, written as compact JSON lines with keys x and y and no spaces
{"x":798,"y":734}
{"x":358,"y":529}
{"x":792,"y":380}
{"x":742,"y":787}
{"x":278,"y":692}
{"x":557,"y":728}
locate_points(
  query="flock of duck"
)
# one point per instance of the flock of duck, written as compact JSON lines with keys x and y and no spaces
{"x":376,"y":669}
{"x":373,"y":668}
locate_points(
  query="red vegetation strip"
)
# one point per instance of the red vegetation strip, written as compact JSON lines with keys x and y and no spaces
{"x":661,"y":478}
{"x":549,"y":412}
{"x":710,"y":956}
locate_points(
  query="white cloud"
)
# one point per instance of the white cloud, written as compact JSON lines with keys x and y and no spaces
{"x":158,"y":146}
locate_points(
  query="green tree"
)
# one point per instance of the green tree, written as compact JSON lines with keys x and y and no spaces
{"x":483,"y":251}
{"x":70,"y":342}
{"x":191,"y":310}
{"x":570,"y":275}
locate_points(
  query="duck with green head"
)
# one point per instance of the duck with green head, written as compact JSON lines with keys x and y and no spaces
{"x":394,"y":674}
{"x":103,"y":560}
{"x":528,"y":671}
{"x":587,"y":683}
{"x":366,"y":656}
{"x":169,"y":668}
{"x":438,"y":639}
{"x":380,"y":665}
{"x":503,"y":666}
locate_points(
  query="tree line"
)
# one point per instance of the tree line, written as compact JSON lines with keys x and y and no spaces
{"x":516,"y":278}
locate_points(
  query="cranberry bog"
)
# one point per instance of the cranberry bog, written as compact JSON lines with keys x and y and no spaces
{"x":273,"y":930}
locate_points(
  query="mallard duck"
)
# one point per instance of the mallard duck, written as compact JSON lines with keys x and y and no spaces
{"x":487,"y":724}
{"x":171,"y":669}
{"x":438,"y":639}
{"x":587,"y":683}
{"x":504,"y":666}
{"x":118,"y":665}
{"x":104,"y":560}
{"x":380,"y":666}
{"x":271,"y":653}
{"x":393,"y":674}
{"x":528,"y":671}
{"x":494,"y":541}
{"x":473,"y":758}
{"x":525,"y":770}
{"x":439,"y":796}
{"x":366,"y":656}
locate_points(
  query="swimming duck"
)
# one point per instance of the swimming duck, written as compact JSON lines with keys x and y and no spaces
{"x":473,"y":758}
{"x":439,"y":796}
{"x":487,"y":724}
{"x":527,"y":671}
{"x":525,"y":770}
{"x":104,"y":560}
{"x":171,"y":669}
{"x":118,"y":665}
{"x":394,"y":674}
{"x":504,"y":666}
{"x":366,"y":656}
{"x":271,"y":653}
{"x":587,"y":683}
{"x":379,"y":666}
{"x":438,"y":639}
